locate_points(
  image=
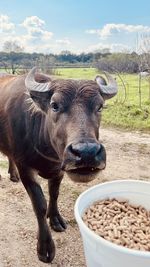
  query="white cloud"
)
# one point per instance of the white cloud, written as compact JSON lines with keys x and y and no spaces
{"x":5,"y":24}
{"x":34,"y":36}
{"x":112,"y":29}
{"x":118,"y":37}
{"x":118,"y":47}
{"x":64,"y":41}
{"x":112,"y":47}
{"x":35,"y":28}
{"x":92,"y":31}
{"x":47,"y":35}
{"x":39,"y":34}
{"x":33,"y":22}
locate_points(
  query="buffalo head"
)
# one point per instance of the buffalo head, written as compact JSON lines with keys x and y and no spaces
{"x":72,"y":118}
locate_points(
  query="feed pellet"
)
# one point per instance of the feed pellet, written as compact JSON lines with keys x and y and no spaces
{"x":120,"y":222}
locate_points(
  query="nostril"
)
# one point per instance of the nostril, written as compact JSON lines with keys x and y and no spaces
{"x":94,"y":149}
{"x":101,"y":153}
{"x":75,"y":150}
{"x":99,"y":148}
{"x":72,"y":150}
{"x":85,"y":150}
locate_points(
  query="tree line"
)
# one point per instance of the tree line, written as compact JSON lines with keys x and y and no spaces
{"x":113,"y":62}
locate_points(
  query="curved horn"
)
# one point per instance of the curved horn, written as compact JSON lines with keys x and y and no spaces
{"x":110,"y":89}
{"x":32,"y":85}
{"x":100,"y":80}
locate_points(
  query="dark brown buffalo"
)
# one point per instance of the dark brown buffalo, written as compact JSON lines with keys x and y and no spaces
{"x":48,"y":127}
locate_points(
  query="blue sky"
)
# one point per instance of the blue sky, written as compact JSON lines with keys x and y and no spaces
{"x":79,"y":26}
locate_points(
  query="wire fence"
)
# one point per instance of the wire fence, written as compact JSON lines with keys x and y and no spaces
{"x":133,"y":90}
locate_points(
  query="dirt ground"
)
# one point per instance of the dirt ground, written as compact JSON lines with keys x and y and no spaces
{"x":128,"y":156}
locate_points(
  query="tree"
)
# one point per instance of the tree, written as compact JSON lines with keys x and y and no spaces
{"x":143,"y":49}
{"x":46,"y":63}
{"x":118,"y":62}
{"x":12,"y":47}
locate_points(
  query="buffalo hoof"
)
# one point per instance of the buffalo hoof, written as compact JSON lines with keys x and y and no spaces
{"x":57,"y":223}
{"x":46,"y":250}
{"x":14,"y":178}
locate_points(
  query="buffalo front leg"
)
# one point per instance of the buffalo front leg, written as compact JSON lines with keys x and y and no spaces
{"x":12,"y":170}
{"x":45,"y":245}
{"x":57,"y":223}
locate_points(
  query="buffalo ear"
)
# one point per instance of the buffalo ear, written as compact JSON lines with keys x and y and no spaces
{"x":41,"y":99}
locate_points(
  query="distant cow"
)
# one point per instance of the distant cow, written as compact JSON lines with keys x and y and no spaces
{"x":144,"y":74}
{"x":48,"y":127}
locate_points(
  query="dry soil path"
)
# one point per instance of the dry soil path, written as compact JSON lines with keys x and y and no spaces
{"x":128,"y":156}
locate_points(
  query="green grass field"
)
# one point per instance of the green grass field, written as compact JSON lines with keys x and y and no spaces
{"x":78,"y":73}
{"x":120,"y":112}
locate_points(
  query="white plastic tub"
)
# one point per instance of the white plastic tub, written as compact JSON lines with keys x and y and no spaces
{"x":98,"y":251}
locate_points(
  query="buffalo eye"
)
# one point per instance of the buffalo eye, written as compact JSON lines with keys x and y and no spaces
{"x":99,"y":109}
{"x":54,"y":106}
